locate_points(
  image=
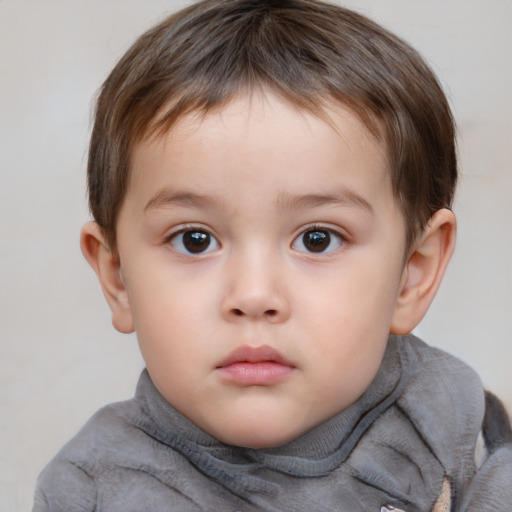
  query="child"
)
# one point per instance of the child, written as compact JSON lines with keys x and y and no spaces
{"x":271,"y":186}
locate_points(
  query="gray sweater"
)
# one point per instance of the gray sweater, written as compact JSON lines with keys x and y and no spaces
{"x":415,"y":427}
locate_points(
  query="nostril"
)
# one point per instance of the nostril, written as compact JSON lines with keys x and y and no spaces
{"x":268,"y":313}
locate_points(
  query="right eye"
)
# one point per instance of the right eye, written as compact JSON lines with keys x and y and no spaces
{"x":318,"y":240}
{"x":194,"y":241}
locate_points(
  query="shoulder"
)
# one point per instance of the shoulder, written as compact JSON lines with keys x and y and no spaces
{"x":64,"y":486}
{"x":490,"y":489}
{"x":67,"y":483}
{"x":444,"y":399}
{"x":443,"y":382}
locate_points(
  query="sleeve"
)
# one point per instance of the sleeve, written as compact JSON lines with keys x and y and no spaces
{"x":491,"y":488}
{"x":64,"y":487}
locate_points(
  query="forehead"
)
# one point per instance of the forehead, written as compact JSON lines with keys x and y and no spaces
{"x":261,"y":105}
{"x":262,"y":136}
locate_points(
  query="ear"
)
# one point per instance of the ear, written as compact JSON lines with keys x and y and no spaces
{"x":106,"y":264}
{"x":424,"y":270}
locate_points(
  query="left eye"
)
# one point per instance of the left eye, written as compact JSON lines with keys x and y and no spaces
{"x":194,"y":241}
{"x":318,"y":241}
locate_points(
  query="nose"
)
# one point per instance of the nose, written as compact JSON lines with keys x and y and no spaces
{"x":256,"y":291}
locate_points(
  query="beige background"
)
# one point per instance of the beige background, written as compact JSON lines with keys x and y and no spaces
{"x":60,"y":359}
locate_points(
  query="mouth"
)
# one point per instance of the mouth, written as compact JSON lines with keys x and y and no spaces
{"x":255,"y":366}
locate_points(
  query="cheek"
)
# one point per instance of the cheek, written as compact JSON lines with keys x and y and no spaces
{"x":347,"y":299}
{"x":350,"y":320}
{"x":168,"y":319}
{"x":170,"y":294}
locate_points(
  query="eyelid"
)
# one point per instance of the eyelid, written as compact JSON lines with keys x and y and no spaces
{"x":320,"y":226}
{"x":189,"y":226}
{"x":343,"y":239}
{"x":184,"y":228}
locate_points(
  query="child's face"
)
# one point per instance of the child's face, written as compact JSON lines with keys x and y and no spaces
{"x":262,"y":253}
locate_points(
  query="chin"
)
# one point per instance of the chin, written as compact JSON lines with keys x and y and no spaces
{"x":257,"y":442}
{"x":256,"y":438}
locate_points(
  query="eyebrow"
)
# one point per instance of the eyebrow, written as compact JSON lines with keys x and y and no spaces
{"x":166,"y":197}
{"x":343,"y":197}
{"x":285,"y":201}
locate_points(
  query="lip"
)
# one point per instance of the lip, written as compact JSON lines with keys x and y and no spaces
{"x":255,"y":366}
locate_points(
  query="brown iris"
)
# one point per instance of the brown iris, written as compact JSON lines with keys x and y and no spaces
{"x":316,"y":240}
{"x":196,"y":241}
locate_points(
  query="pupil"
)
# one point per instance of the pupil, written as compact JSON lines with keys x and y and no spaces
{"x":196,"y":241}
{"x":317,"y":241}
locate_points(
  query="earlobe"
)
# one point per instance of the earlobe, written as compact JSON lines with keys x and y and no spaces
{"x":424,"y":271}
{"x":107,"y":268}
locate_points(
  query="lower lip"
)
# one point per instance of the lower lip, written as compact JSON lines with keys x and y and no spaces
{"x":263,"y":373}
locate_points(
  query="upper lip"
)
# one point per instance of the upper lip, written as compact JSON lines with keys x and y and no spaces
{"x":248,"y":354}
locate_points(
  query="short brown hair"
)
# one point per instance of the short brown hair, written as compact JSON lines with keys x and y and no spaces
{"x":307,"y":51}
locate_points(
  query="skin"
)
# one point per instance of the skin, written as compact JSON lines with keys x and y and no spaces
{"x":261,"y":178}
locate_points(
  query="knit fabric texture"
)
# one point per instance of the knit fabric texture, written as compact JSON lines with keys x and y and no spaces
{"x":412,"y":433}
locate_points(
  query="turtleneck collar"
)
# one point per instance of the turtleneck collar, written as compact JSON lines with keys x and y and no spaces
{"x":315,"y":453}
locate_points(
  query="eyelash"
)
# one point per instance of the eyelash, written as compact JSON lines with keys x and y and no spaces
{"x":340,"y":240}
{"x":206,"y":242}
{"x":178,"y":243}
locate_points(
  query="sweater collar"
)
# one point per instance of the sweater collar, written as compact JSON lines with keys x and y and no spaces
{"x":315,"y":453}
